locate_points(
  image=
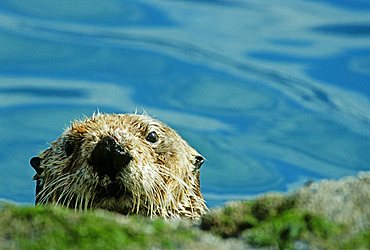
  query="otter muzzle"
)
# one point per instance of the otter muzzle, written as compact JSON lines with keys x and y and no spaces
{"x":109,"y":158}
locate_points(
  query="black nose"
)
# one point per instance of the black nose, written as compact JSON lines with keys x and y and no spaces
{"x":108,"y":157}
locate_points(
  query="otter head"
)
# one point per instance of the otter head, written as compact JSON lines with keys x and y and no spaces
{"x":124,"y":163}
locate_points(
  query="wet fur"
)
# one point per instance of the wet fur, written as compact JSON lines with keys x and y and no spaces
{"x":161,"y":180}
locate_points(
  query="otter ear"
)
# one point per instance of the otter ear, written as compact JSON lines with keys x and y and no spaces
{"x":198,"y":162}
{"x":35,"y":163}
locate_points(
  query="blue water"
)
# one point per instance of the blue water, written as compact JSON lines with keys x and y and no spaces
{"x":272,"y":93}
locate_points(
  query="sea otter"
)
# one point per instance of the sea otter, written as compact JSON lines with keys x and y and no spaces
{"x":127,"y":163}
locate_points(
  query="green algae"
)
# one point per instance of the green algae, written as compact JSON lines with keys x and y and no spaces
{"x":325,"y":215}
{"x":59,"y":228}
{"x":284,"y":231}
{"x":266,"y":222}
{"x":275,"y":221}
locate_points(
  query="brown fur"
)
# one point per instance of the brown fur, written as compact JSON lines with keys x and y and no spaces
{"x":161,"y":180}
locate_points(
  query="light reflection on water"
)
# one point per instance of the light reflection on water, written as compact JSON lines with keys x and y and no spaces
{"x":273,"y":95}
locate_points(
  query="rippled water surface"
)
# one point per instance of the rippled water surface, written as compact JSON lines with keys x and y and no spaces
{"x":272,"y":93}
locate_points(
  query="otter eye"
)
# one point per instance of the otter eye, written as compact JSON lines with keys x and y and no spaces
{"x":152,"y":137}
{"x":69,"y":147}
{"x":199,"y":160}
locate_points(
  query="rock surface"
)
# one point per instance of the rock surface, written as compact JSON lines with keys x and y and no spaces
{"x":323,"y":215}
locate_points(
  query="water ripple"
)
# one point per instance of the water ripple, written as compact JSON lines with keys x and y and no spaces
{"x":239,"y":90}
{"x":306,"y":93}
{"x":349,"y":29}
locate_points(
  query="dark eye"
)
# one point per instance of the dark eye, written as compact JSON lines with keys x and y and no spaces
{"x":152,"y":137}
{"x":69,"y":147}
{"x":199,"y":160}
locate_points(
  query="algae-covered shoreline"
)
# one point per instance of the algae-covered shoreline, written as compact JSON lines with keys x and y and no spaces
{"x":323,"y":215}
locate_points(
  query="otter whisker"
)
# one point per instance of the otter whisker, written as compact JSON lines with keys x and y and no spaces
{"x":49,"y":186}
{"x":50,"y":189}
{"x":62,"y":196}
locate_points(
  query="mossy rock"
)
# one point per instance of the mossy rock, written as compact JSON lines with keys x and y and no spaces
{"x":286,"y":230}
{"x":233,"y":219}
{"x":280,"y":225}
{"x":324,"y":215}
{"x":59,"y":228}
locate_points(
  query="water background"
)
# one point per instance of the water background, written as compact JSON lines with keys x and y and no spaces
{"x":272,"y":93}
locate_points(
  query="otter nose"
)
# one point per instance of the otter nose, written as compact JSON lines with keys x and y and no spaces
{"x":108,"y":157}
